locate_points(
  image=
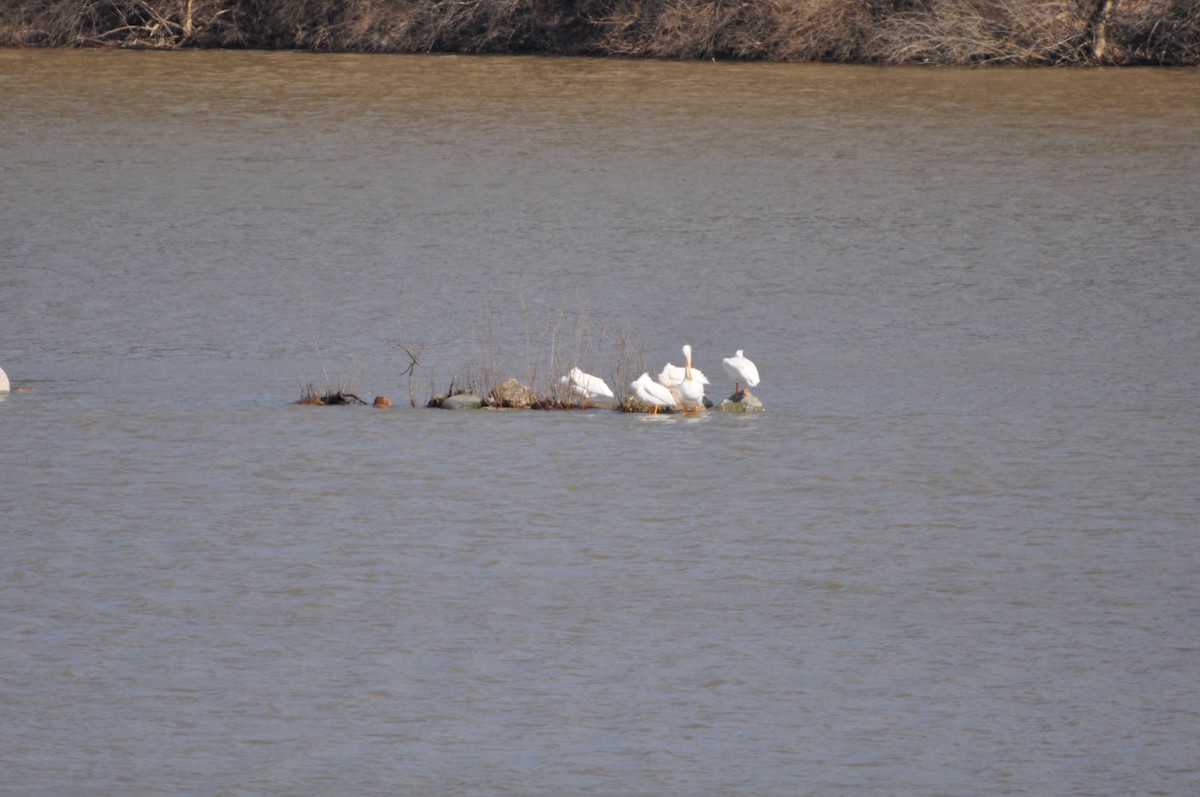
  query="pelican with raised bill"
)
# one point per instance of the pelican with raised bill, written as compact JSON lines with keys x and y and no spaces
{"x":586,"y":386}
{"x":740,"y":370}
{"x":691,"y":391}
{"x":651,"y":393}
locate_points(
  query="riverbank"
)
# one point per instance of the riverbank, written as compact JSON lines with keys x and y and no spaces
{"x":948,"y":32}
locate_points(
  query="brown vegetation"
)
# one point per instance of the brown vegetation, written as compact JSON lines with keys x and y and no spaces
{"x":988,"y":31}
{"x":1164,"y":32}
{"x":1027,"y":32}
{"x":333,"y":396}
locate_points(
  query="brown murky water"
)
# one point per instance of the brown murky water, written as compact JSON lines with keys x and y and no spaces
{"x":957,"y":554}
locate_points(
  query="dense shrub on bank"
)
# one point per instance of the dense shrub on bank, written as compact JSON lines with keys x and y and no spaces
{"x":879,"y":31}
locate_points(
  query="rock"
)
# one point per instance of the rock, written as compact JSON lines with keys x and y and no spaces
{"x":314,"y":401}
{"x":631,"y":404}
{"x":383,"y":402}
{"x":511,"y":393}
{"x":740,"y":402}
{"x":461,"y":401}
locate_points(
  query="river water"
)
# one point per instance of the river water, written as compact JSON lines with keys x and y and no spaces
{"x":957,"y":554}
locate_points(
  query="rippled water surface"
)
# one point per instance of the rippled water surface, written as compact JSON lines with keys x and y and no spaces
{"x":958,"y":553}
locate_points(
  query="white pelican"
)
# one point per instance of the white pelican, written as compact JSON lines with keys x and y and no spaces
{"x":740,"y":370}
{"x":672,"y":375}
{"x":3,"y":381}
{"x":586,"y":386}
{"x":691,"y":392}
{"x":650,"y":393}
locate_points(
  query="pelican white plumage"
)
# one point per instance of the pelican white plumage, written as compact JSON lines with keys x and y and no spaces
{"x":586,"y":386}
{"x":650,"y":393}
{"x":3,"y":381}
{"x":691,"y":392}
{"x":740,"y":370}
{"x":671,"y":375}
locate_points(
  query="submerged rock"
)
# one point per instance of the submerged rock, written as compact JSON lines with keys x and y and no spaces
{"x":459,"y":401}
{"x":383,"y":402}
{"x":740,"y":402}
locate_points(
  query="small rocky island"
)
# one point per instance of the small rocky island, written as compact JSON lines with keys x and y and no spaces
{"x":511,"y":394}
{"x":676,"y":390}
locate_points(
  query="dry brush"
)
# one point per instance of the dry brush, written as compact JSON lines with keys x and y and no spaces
{"x":1025,"y":32}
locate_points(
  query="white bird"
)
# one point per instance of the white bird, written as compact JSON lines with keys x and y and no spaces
{"x":3,"y":381}
{"x":691,"y":391}
{"x":586,"y":386}
{"x":650,"y":393}
{"x":740,"y":370}
{"x":672,"y":375}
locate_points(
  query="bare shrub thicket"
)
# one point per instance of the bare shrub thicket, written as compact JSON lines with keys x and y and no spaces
{"x":151,"y":23}
{"x":984,"y":31}
{"x":466,"y":26}
{"x":880,"y":31}
{"x":769,"y":29}
{"x":1154,"y":32}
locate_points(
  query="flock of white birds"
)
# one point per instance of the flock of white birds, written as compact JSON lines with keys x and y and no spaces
{"x":675,"y":388}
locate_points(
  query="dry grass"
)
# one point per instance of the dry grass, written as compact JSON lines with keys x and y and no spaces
{"x":562,"y":340}
{"x":973,"y":32}
{"x":547,"y":347}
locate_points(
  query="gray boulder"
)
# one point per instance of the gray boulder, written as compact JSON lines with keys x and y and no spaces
{"x":459,"y":401}
{"x":740,"y":402}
